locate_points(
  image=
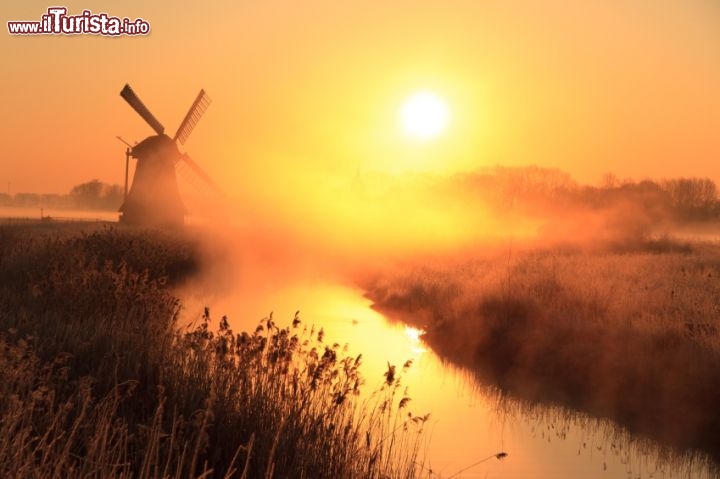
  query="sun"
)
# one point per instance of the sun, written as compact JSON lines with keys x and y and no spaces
{"x":424,"y":115}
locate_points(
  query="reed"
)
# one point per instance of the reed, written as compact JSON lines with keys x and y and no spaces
{"x":630,"y":334}
{"x":97,"y":379}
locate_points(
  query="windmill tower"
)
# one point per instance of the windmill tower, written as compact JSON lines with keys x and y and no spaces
{"x":154,"y":197}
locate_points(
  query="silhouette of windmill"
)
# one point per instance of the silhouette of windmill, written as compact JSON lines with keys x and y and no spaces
{"x":154,"y":197}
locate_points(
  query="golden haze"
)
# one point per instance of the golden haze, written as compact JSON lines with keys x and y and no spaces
{"x":306,"y":94}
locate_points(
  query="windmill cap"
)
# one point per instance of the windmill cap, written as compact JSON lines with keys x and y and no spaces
{"x":161,"y":145}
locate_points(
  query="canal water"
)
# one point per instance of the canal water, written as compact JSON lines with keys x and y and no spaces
{"x":470,"y":423}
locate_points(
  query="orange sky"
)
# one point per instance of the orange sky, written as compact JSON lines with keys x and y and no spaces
{"x":311,"y":89}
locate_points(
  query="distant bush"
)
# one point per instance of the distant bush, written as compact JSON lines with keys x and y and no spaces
{"x":91,"y":195}
{"x":630,"y":207}
{"x":96,"y":195}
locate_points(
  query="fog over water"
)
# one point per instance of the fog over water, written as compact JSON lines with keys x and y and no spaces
{"x":321,"y":245}
{"x":315,"y":255}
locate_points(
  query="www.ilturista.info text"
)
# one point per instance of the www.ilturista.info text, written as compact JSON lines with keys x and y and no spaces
{"x":58,"y":22}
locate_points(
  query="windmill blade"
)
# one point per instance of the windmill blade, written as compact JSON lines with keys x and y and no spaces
{"x":134,"y":101}
{"x":199,"y":173}
{"x":193,"y":116}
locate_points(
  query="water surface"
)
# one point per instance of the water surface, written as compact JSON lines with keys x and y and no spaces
{"x":469,"y":422}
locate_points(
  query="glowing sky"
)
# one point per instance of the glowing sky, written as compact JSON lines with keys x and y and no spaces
{"x":595,"y":86}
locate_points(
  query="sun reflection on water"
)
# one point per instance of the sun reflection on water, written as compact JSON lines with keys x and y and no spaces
{"x":414,"y":337}
{"x":460,"y":406}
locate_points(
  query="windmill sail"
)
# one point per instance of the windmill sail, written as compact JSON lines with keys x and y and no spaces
{"x":134,"y":101}
{"x":199,"y":173}
{"x":154,"y":197}
{"x":193,"y":116}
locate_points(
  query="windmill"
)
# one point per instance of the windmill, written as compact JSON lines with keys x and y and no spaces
{"x":154,"y":197}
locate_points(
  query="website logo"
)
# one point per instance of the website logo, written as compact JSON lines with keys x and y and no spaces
{"x":57,"y":22}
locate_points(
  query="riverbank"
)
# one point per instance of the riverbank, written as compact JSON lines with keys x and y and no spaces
{"x":98,"y":379}
{"x":628,"y":334}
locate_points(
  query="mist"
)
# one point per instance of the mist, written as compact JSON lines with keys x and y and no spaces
{"x":553,"y":290}
{"x":342,"y":223}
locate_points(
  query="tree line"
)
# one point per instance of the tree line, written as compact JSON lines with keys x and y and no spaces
{"x":535,"y":190}
{"x":91,"y":195}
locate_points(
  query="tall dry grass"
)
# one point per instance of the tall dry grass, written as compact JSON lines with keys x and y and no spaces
{"x":98,"y":380}
{"x":631,"y":334}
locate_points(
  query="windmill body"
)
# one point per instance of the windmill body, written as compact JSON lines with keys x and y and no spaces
{"x":154,"y":197}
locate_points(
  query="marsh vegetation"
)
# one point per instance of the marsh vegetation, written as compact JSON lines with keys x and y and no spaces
{"x":626,"y":332}
{"x":98,"y":379}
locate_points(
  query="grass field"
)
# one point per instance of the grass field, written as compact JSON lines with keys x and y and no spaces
{"x":97,"y":379}
{"x":627,"y":332}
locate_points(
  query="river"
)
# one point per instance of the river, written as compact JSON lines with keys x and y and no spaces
{"x":470,"y":424}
